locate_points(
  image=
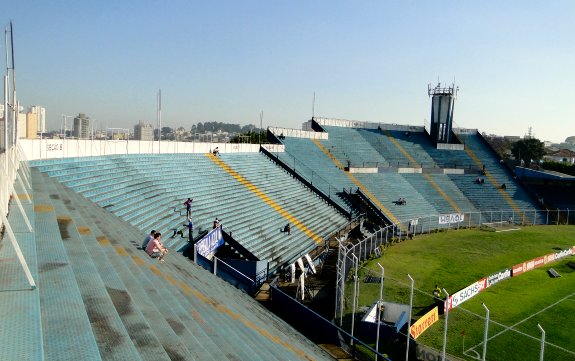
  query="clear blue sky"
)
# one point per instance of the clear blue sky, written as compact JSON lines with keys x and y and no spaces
{"x":226,"y":61}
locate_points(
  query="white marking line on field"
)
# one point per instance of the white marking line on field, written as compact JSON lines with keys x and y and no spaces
{"x":511,"y":328}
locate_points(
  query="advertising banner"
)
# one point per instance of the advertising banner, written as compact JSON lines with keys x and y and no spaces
{"x":208,"y":245}
{"x":424,"y":323}
{"x":498,"y":277}
{"x":517,"y":269}
{"x":451,"y":218}
{"x":463,"y":295}
{"x":539,"y":261}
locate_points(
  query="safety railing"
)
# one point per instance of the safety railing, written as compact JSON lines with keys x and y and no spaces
{"x":13,"y":168}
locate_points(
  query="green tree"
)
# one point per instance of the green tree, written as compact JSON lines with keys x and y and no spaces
{"x":253,"y":137}
{"x":528,"y":150}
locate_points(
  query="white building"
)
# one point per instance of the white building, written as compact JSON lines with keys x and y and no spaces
{"x":40,"y":116}
{"x":143,"y":131}
{"x":561,"y":156}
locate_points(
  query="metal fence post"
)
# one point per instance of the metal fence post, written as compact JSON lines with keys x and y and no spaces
{"x":215,"y":266}
{"x":446,"y":312}
{"x":542,"y":342}
{"x":486,"y":331}
{"x":379,"y":311}
{"x":354,"y":297}
{"x":195,"y":253}
{"x":409,"y":319}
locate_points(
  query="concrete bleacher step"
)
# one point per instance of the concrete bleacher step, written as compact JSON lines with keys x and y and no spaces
{"x":111,"y":334}
{"x":241,"y":348}
{"x":131,"y":292}
{"x":67,"y":332}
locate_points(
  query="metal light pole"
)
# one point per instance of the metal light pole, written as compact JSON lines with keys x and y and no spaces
{"x":446,"y":311}
{"x":159,"y":119}
{"x":542,"y":342}
{"x":486,"y":332}
{"x":409,"y":319}
{"x":379,"y":311}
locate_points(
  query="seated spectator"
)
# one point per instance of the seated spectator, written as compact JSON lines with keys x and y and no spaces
{"x":503,"y":186}
{"x":216,"y":151}
{"x":478,"y":180}
{"x":217,"y":223}
{"x":156,"y":249}
{"x":149,"y":237}
{"x":287,"y":229}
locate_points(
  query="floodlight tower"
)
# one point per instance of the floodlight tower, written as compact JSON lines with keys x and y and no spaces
{"x":442,"y":104}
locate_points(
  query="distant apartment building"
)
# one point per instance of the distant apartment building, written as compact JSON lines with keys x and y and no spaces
{"x":31,"y":125}
{"x":21,"y":125}
{"x":143,"y":131}
{"x":81,"y":129}
{"x":40,"y":117}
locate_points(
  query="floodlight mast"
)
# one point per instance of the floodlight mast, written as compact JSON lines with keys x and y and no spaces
{"x":159,"y":118}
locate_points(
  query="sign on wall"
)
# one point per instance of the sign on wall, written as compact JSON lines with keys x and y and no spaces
{"x":208,"y":245}
{"x":451,"y":218}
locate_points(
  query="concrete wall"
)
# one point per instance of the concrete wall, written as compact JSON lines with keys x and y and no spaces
{"x":445,"y":146}
{"x":65,"y":148}
{"x":296,"y":133}
{"x":363,"y":170}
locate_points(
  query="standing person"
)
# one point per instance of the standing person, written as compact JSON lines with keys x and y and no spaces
{"x":190,"y":226}
{"x":188,"y":205}
{"x":149,"y":237}
{"x":156,"y":249}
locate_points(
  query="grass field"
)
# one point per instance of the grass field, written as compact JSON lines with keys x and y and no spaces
{"x":455,"y":259}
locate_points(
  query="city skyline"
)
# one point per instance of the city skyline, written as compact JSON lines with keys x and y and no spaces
{"x":226,"y":62}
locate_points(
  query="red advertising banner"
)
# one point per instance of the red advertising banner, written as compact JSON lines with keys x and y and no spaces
{"x":517,"y":269}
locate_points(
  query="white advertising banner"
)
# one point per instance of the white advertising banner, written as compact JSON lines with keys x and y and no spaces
{"x":451,"y":218}
{"x":463,"y":295}
{"x":208,"y":245}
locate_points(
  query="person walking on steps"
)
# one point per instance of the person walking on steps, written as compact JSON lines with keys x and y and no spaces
{"x":188,"y":205}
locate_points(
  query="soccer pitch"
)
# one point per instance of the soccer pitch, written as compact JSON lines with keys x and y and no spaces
{"x":455,"y":259}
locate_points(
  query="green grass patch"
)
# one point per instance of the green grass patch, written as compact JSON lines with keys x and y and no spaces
{"x":455,"y":259}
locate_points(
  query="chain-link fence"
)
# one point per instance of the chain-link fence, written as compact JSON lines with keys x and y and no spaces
{"x":358,"y":291}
